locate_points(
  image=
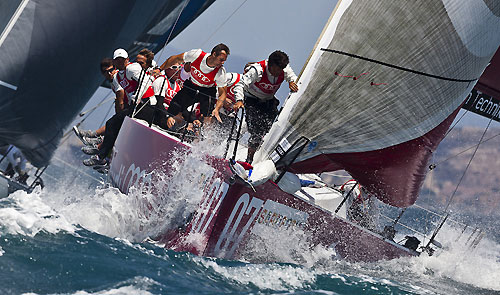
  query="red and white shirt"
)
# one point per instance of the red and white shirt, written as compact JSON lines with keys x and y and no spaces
{"x":129,"y":78}
{"x":259,"y":82}
{"x":201,"y":74}
{"x":115,"y":86}
{"x":169,"y":90}
{"x":231,"y":80}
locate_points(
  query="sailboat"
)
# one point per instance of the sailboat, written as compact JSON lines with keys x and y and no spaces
{"x":380,"y":89}
{"x":46,"y":48}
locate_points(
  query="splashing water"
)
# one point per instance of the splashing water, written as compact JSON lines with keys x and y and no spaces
{"x":96,"y":234}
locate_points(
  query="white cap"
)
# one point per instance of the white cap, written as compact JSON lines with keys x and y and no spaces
{"x":120,"y":52}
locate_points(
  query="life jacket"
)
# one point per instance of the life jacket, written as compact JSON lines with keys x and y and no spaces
{"x":125,"y":98}
{"x":265,"y":85}
{"x":171,"y":92}
{"x":199,"y":78}
{"x":130,"y":85}
{"x":230,"y":88}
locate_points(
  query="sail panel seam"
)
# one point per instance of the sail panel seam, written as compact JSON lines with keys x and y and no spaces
{"x":397,"y":67}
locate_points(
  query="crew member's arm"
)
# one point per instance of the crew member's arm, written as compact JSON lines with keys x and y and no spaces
{"x":220,"y":102}
{"x":290,"y":77}
{"x":119,"y":104}
{"x":119,"y":93}
{"x":184,"y":75}
{"x":174,"y":59}
{"x":220,"y":81}
{"x":251,"y":76}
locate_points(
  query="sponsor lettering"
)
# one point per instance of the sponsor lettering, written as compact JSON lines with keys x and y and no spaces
{"x":270,"y":213}
{"x":199,"y":76}
{"x":210,"y":205}
{"x":171,"y":93}
{"x":483,"y":105}
{"x":268,"y":87}
{"x":133,"y":177}
{"x":277,"y":215}
{"x":228,"y":237}
{"x":124,"y":83}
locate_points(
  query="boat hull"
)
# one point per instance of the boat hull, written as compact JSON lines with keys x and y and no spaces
{"x":232,"y":220}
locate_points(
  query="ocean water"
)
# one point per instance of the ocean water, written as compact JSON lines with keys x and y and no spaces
{"x":82,"y":237}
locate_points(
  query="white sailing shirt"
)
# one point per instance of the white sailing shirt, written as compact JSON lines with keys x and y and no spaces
{"x":133,"y":72}
{"x":253,"y":75}
{"x":192,"y":55}
{"x":115,"y":86}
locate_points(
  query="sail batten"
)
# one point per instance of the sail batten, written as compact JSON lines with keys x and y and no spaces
{"x":383,"y":76}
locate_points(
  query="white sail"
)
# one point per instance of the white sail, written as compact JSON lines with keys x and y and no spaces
{"x":385,"y":73}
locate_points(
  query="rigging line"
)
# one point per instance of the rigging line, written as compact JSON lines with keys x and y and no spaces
{"x":104,"y":119}
{"x":449,"y":130}
{"x":405,"y":226}
{"x":471,"y":147}
{"x":96,"y":106}
{"x":397,"y":67}
{"x":90,"y":111}
{"x":467,"y":167}
{"x":223,"y":23}
{"x":431,"y":180}
{"x":173,"y":27}
{"x":71,"y":166}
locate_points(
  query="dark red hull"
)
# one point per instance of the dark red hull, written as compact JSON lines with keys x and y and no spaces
{"x":231,"y":216}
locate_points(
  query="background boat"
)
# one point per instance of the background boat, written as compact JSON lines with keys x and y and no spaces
{"x":51,"y":50}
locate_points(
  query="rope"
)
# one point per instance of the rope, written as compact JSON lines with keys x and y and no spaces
{"x":396,"y":67}
{"x":78,"y":170}
{"x":468,"y":164}
{"x":405,"y":226}
{"x":173,"y":27}
{"x":97,"y":106}
{"x":458,"y":121}
{"x":223,"y":23}
{"x":105,"y":116}
{"x":471,"y":147}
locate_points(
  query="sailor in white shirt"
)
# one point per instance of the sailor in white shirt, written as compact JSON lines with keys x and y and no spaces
{"x":256,"y":91}
{"x":207,"y":75}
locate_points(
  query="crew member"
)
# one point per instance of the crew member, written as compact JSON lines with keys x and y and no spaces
{"x":130,"y":77}
{"x":207,"y":73}
{"x":256,"y":91}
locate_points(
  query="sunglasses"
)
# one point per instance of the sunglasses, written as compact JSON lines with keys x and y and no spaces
{"x":110,"y":70}
{"x":175,"y":67}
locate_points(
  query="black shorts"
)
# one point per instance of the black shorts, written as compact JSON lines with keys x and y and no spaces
{"x":260,"y":116}
{"x":191,"y":94}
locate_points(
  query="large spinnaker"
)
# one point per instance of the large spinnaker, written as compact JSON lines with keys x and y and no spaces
{"x":50,"y":53}
{"x":386,"y":76}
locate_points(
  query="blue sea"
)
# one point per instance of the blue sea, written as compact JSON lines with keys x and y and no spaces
{"x":78,"y":236}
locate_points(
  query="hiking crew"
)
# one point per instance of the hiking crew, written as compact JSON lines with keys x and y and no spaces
{"x":256,"y":91}
{"x":128,"y":77}
{"x":207,"y":75}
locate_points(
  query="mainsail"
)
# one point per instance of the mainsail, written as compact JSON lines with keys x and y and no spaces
{"x":382,"y":86}
{"x":50,"y":52}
